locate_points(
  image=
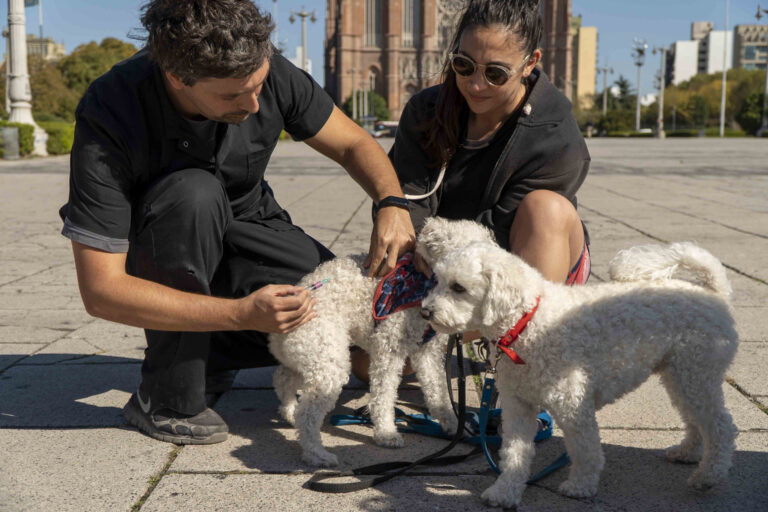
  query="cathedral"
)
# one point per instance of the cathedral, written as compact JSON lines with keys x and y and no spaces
{"x":397,"y":47}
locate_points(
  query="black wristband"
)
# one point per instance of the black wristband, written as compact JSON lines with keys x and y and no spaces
{"x":398,"y":202}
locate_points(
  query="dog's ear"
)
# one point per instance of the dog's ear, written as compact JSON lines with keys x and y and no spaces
{"x":501,"y":296}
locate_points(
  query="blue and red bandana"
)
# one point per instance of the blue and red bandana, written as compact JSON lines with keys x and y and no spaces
{"x":404,"y":287}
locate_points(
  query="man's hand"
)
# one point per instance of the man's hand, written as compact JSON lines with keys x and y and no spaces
{"x":277,"y":309}
{"x":392,"y":236}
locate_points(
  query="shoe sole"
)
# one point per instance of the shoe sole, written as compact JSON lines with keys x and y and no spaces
{"x":138,"y":420}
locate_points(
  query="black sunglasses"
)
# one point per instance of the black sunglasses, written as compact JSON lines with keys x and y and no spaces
{"x":495,"y":74}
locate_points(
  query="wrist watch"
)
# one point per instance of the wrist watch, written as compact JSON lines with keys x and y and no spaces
{"x":399,"y":202}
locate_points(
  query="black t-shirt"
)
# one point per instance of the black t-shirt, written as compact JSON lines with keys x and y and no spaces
{"x":128,"y":135}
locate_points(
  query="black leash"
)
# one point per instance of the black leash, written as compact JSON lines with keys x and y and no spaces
{"x":389,"y":470}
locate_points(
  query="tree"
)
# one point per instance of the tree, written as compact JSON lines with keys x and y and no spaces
{"x":380,"y":110}
{"x":89,"y":61}
{"x":750,"y":115}
{"x":699,"y":109}
{"x":51,"y":98}
{"x":625,"y":99}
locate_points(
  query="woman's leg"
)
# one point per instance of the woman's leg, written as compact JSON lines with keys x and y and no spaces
{"x":547,"y":234}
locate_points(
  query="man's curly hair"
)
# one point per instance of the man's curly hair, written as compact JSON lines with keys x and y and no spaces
{"x":196,"y":39}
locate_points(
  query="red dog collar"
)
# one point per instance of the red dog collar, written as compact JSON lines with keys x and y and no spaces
{"x":509,"y":338}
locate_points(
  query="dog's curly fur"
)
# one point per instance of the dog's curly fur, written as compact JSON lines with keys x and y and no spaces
{"x":315,"y":360}
{"x":586,"y":346}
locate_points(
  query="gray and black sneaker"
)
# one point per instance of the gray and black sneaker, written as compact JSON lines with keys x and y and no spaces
{"x":166,"y":425}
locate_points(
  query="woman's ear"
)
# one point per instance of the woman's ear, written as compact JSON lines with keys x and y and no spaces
{"x":533,"y":60}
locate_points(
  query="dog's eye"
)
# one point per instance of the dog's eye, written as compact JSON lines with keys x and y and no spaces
{"x":456,"y":287}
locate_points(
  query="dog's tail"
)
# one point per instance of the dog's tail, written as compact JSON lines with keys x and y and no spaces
{"x":650,"y":262}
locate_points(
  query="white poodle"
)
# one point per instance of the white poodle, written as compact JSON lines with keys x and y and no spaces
{"x":586,"y":346}
{"x":315,"y":359}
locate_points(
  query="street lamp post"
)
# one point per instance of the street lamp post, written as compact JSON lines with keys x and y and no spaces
{"x":303,"y":15}
{"x":662,"y":83}
{"x":764,"y":125}
{"x":605,"y":72}
{"x":18,"y":88}
{"x":638,"y":53}
{"x":725,"y":70}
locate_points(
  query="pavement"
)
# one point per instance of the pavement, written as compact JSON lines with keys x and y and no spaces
{"x":65,"y":376}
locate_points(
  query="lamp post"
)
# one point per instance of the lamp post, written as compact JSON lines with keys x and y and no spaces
{"x":19,"y":90}
{"x":275,"y":39}
{"x":303,"y":15}
{"x":764,"y":125}
{"x":725,"y":70}
{"x":605,"y":72}
{"x":638,"y":54}
{"x":662,"y":83}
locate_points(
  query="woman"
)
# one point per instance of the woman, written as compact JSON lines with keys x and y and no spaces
{"x":497,"y":142}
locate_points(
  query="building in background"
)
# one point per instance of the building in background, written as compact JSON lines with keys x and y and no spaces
{"x":682,"y":62}
{"x":584,"y":64}
{"x":297,"y":60}
{"x":398,"y":47}
{"x":750,"y":48}
{"x":47,"y":48}
{"x":711,"y":51}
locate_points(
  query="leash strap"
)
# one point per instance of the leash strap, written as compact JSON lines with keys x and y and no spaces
{"x":389,"y":470}
{"x":485,"y":403}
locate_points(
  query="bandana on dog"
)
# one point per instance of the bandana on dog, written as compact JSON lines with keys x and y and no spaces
{"x":404,"y":287}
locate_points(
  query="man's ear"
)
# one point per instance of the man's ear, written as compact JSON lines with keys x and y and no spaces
{"x":533,"y":60}
{"x":174,"y":80}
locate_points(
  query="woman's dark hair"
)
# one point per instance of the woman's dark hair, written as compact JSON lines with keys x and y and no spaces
{"x":197,"y":39}
{"x":523,"y":19}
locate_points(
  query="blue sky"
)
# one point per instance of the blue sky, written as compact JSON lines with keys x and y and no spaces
{"x":74,"y":22}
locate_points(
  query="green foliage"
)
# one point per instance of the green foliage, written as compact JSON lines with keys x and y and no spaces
{"x":616,"y":121}
{"x":51,"y":96}
{"x":89,"y":61}
{"x":26,"y":137}
{"x":380,"y":110}
{"x":60,"y":136}
{"x":750,"y":116}
{"x":625,"y":99}
{"x":699,"y":109}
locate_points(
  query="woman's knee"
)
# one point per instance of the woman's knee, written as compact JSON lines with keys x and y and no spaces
{"x":546,"y":211}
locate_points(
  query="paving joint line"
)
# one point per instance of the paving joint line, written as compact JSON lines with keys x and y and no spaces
{"x":739,"y":230}
{"x":653,"y":237}
{"x":749,"y":397}
{"x":344,"y":227}
{"x":155,"y":480}
{"x":35,"y":273}
{"x":312,"y":191}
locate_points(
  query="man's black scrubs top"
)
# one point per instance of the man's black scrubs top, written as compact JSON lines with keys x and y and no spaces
{"x":128,"y":135}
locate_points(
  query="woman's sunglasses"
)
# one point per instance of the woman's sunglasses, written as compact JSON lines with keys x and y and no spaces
{"x":495,"y":74}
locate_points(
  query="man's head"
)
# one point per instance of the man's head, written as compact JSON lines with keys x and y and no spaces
{"x":199,"y":39}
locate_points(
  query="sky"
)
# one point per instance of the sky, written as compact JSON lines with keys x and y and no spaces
{"x":660,"y":22}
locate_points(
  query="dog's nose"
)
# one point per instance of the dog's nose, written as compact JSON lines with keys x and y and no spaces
{"x":426,"y":314}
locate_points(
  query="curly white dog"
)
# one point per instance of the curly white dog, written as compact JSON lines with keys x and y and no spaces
{"x":586,"y":346}
{"x":315,"y":360}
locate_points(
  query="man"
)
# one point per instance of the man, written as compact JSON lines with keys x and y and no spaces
{"x":172,"y":225}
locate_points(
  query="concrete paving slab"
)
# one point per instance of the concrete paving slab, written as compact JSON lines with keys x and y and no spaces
{"x":15,"y":334}
{"x":48,"y":318}
{"x":649,"y":407}
{"x":66,"y":395}
{"x":751,"y":323}
{"x":76,"y":470}
{"x":748,"y":369}
{"x":12,"y":353}
{"x":63,"y":350}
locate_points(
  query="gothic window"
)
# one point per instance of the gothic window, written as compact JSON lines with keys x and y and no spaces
{"x":373,"y":78}
{"x":411,"y":23}
{"x":373,"y":20}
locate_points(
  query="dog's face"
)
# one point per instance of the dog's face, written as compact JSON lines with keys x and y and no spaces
{"x":440,"y":236}
{"x":477,"y":287}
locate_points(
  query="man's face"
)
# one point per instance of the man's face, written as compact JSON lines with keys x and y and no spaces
{"x":226,"y":100}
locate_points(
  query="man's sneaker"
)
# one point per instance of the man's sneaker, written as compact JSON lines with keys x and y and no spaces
{"x":166,"y":425}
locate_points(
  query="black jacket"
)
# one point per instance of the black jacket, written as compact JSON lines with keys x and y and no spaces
{"x":541,"y":149}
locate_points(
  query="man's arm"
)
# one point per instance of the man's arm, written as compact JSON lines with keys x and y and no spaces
{"x":108,"y":292}
{"x":353,"y":148}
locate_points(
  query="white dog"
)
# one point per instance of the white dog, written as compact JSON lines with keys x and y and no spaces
{"x":586,"y":346}
{"x":315,"y":360}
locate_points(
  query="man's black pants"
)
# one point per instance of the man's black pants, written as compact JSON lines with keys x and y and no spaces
{"x":186,"y":237}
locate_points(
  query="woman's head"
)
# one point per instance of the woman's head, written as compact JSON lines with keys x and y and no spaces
{"x":493,"y":52}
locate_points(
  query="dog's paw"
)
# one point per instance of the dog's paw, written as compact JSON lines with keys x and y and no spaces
{"x":288,"y":413}
{"x":501,"y":495}
{"x":678,"y":454}
{"x":574,"y":489}
{"x":389,"y":439}
{"x":704,"y":480}
{"x":448,"y":422}
{"x":320,"y":458}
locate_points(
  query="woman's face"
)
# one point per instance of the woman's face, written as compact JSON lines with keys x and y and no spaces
{"x":493,"y":45}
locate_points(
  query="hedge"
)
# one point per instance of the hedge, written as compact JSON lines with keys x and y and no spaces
{"x":61,"y":134}
{"x":26,"y":137}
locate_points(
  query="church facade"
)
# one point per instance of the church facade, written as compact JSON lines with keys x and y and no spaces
{"x":397,"y":47}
